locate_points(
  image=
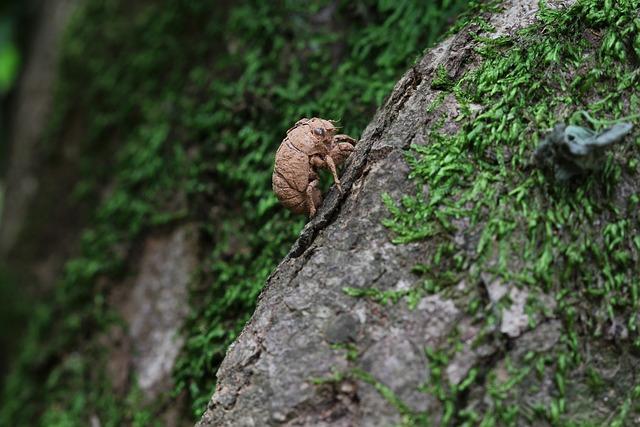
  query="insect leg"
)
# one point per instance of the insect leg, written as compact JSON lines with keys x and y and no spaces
{"x":314,"y":197}
{"x":344,"y":138}
{"x":317,"y":162}
{"x":334,"y":172}
{"x":340,"y":152}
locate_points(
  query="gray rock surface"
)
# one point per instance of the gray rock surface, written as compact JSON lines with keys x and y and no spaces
{"x":279,"y":369}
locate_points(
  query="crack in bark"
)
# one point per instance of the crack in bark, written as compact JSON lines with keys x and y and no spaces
{"x":330,"y":208}
{"x":356,"y":168}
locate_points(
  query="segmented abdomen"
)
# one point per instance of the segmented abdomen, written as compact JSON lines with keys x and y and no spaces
{"x":291,"y":177}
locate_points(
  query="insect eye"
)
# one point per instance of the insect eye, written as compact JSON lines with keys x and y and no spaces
{"x":319,"y":131}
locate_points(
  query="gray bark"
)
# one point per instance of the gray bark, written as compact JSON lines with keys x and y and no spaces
{"x":267,"y":375}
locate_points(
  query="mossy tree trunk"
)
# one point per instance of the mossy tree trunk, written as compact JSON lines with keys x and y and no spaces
{"x":453,"y":283}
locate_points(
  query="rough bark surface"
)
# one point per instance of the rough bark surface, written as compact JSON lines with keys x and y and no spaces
{"x":267,"y":375}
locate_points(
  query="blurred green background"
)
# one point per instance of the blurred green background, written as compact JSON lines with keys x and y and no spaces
{"x":14,"y":17}
{"x":11,"y":13}
{"x":176,"y":100}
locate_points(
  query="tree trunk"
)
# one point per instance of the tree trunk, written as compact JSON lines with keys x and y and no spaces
{"x":347,"y":332}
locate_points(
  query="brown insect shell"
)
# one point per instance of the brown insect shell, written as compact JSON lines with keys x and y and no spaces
{"x":292,"y":171}
{"x":302,"y":137}
{"x":292,"y":161}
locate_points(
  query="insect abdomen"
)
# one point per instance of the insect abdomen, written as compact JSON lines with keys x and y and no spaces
{"x":291,"y":177}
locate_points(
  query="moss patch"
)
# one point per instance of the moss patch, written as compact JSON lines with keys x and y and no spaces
{"x":576,"y":242}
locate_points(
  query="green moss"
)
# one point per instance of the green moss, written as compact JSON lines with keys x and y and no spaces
{"x":475,"y":15}
{"x":574,"y":242}
{"x":442,"y":79}
{"x":382,"y":297}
